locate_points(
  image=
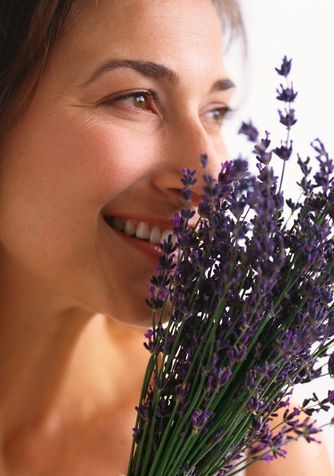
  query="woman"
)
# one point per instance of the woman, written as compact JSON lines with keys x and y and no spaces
{"x":102,"y":104}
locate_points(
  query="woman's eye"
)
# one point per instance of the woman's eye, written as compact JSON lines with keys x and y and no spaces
{"x":138,"y":100}
{"x":218,"y":115}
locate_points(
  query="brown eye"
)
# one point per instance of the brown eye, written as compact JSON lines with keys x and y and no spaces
{"x":219,"y":114}
{"x":138,"y":100}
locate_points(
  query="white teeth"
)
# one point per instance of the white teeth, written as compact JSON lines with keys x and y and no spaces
{"x":164,"y":234}
{"x":155,"y":235}
{"x":143,"y":231}
{"x":129,"y":228}
{"x":118,"y":224}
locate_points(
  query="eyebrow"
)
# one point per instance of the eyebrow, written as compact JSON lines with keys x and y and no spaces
{"x":151,"y":70}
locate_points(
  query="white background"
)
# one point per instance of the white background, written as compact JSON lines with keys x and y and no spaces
{"x":304,"y":31}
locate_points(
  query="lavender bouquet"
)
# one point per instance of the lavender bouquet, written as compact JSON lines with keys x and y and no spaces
{"x":249,"y":303}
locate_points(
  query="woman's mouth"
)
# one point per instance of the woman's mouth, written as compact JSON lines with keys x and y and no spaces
{"x":140,"y":235}
{"x":139,"y":230}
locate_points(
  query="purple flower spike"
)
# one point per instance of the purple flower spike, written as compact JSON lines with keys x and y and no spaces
{"x":249,"y":130}
{"x":263,"y":155}
{"x":176,"y":220}
{"x":330,"y":397}
{"x":331,"y":365}
{"x":204,"y":160}
{"x":136,"y":434}
{"x":267,"y":458}
{"x":188,"y":177}
{"x":200,"y":418}
{"x":288,"y":119}
{"x":148,"y":334}
{"x":285,"y":68}
{"x":187,"y":194}
{"x":284,"y":152}
{"x":286,"y":94}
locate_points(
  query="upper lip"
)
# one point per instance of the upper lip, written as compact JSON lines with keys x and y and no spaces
{"x":150,"y":220}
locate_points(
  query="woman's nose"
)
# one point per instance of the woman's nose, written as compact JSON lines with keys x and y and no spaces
{"x":183,"y":149}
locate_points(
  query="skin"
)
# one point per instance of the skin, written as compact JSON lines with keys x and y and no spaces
{"x":71,"y":292}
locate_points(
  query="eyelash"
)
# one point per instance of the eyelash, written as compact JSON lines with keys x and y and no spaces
{"x":226,"y":111}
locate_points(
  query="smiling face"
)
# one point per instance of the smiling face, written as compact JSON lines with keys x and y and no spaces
{"x":112,"y":141}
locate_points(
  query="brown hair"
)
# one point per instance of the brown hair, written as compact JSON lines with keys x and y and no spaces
{"x":28,"y":31}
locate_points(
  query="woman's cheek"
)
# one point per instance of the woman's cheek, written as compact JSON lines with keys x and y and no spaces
{"x":102,"y":159}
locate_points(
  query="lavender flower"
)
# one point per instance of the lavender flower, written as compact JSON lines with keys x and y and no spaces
{"x":251,"y":314}
{"x":283,"y":151}
{"x":200,"y":418}
{"x":249,"y":130}
{"x":286,"y":94}
{"x":331,"y":365}
{"x":288,"y":118}
{"x":285,"y":68}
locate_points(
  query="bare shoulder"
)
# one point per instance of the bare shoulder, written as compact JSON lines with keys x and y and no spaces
{"x":303,"y":459}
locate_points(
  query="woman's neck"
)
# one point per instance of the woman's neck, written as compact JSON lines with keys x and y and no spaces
{"x":61,"y":365}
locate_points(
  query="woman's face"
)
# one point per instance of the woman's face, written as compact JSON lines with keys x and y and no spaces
{"x":86,"y":148}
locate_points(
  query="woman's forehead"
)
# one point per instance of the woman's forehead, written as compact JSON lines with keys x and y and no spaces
{"x":174,"y":23}
{"x":179,"y":33}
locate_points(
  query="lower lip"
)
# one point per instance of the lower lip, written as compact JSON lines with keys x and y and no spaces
{"x":151,"y":250}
